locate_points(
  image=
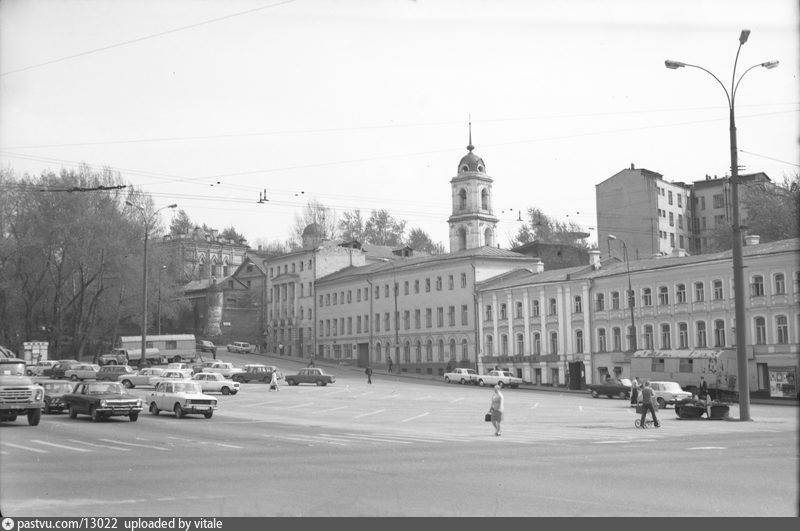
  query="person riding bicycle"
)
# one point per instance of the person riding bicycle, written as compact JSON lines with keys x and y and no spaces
{"x":648,"y":404}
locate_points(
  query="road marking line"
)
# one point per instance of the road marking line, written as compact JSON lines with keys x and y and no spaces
{"x":370,"y":413}
{"x":24,"y":448}
{"x":100,"y":445}
{"x":60,"y":446}
{"x":708,"y":448}
{"x":134,"y":444}
{"x":312,"y":440}
{"x":360,"y":437}
{"x":535,"y":405}
{"x":417,"y":417}
{"x":299,"y":405}
{"x":329,"y":410}
{"x":228,"y":445}
{"x":456,"y":400}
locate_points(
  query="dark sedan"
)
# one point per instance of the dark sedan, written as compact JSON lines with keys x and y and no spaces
{"x":101,"y":400}
{"x":54,"y":391}
{"x":57,"y":371}
{"x":612,"y":388}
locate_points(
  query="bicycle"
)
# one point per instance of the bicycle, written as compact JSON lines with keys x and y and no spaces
{"x":648,"y":422}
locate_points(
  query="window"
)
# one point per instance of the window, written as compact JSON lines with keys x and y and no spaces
{"x":427,"y":285}
{"x":418,"y":352}
{"x":451,"y":283}
{"x":464,"y":314}
{"x":488,"y":312}
{"x":686,"y":365}
{"x":520,"y":345}
{"x":429,"y":351}
{"x":553,"y":342}
{"x":464,"y":349}
{"x":518,"y":310}
{"x":699,"y":296}
{"x":631,"y":338}
{"x":683,"y":335}
{"x":453,"y":349}
{"x":489,"y":345}
{"x":647,"y":297}
{"x":441,"y":350}
{"x":579,"y":341}
{"x":377,"y":293}
{"x":761,"y":331}
{"x":537,"y":344}
{"x":719,"y":333}
{"x":463,"y":280}
{"x":782,"y":327}
{"x":615,"y":300}
{"x":666,"y":337}
{"x":451,"y":315}
{"x":552,"y":307}
{"x":438,"y":283}
{"x":616,"y":337}
{"x":440,"y":316}
{"x":663,"y":296}
{"x":416,"y":286}
{"x":657,"y":365}
{"x":631,"y":298}
{"x":386,"y":290}
{"x":350,"y":325}
{"x":719,"y":201}
{"x":535,"y":308}
{"x":671,"y":219}
{"x":349,"y":295}
{"x":407,"y":352}
{"x":386,"y":322}
{"x":680,"y":293}
{"x":757,"y":287}
{"x":701,"y":334}
{"x":600,"y":302}
{"x":504,"y":345}
{"x":601,"y":340}
{"x":669,"y":197}
{"x":648,"y":336}
{"x":578,"y":304}
{"x":780,"y":284}
{"x":503,"y":314}
{"x":407,"y":320}
{"x":717,"y":286}
{"x":417,"y":319}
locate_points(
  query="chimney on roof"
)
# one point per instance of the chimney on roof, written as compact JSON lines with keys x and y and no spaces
{"x":594,"y":258}
{"x":538,"y":267}
{"x":632,"y":166}
{"x":752,"y":239}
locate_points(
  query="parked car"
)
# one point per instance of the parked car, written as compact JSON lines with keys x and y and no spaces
{"x":200,"y":367}
{"x":54,"y":391}
{"x":57,"y":371}
{"x":241,"y":348}
{"x":181,"y":397}
{"x":312,"y":375}
{"x":205,"y":346}
{"x":101,"y":400}
{"x":226,"y":369}
{"x":179,"y":366}
{"x":501,"y":378}
{"x":214,"y":382}
{"x":461,"y":376}
{"x":667,"y":393}
{"x":620,"y":388}
{"x":85,"y":371}
{"x":38,"y":368}
{"x":141,"y":377}
{"x":255,"y":372}
{"x":113,"y":373}
{"x":183,"y":375}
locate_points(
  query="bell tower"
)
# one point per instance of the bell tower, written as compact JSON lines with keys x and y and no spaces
{"x":472,"y":223}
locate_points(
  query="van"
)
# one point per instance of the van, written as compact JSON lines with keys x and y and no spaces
{"x":111,"y":373}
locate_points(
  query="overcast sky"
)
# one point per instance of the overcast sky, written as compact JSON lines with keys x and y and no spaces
{"x":365,"y":104}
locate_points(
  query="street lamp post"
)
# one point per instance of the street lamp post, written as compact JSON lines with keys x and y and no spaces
{"x":738,"y":257}
{"x":631,"y":298}
{"x":147,"y":224}
{"x":160,"y":270}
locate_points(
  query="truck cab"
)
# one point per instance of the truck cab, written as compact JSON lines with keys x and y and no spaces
{"x":18,"y":394}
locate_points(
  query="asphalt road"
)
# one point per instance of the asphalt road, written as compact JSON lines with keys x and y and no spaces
{"x":401,"y":447}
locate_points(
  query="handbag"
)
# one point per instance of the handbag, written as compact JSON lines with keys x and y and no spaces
{"x":487,"y":417}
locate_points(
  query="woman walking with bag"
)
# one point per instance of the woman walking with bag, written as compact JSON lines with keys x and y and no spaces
{"x":497,"y":408}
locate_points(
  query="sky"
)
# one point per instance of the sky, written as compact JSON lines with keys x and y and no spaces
{"x":366,"y":104}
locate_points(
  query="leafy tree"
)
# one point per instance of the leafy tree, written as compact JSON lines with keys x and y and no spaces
{"x":772,"y":210}
{"x":351,"y":226}
{"x":181,"y":224}
{"x":420,"y":241}
{"x":382,"y":229}
{"x":231,"y":234}
{"x":541,"y":227}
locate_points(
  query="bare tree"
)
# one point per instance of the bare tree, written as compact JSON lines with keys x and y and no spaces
{"x":314,"y":213}
{"x":541,"y":227}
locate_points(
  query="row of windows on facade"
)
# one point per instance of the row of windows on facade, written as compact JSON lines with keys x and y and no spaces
{"x":344,"y":325}
{"x":699,"y":200}
{"x":757,"y":289}
{"x":781,"y":334}
{"x":444,"y":351}
{"x":335,"y":298}
{"x":276,"y":270}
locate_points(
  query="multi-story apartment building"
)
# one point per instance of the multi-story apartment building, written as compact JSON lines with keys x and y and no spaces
{"x":419,"y":311}
{"x":712,"y":208}
{"x":649,"y":213}
{"x":579,"y":320}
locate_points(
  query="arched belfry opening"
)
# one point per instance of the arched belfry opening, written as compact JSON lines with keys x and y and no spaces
{"x":472,"y":222}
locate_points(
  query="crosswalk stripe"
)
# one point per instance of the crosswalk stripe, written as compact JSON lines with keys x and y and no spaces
{"x":100,"y":445}
{"x":19,"y":446}
{"x":62,"y":446}
{"x":137,"y":445}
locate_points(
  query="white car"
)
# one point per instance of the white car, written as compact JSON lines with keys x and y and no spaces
{"x":182,"y":375}
{"x":214,"y":382}
{"x":667,"y":393}
{"x":141,"y":377}
{"x":501,"y":378}
{"x":241,"y":348}
{"x":224,"y":368}
{"x":85,"y":371}
{"x":39,"y":367}
{"x":181,"y":397}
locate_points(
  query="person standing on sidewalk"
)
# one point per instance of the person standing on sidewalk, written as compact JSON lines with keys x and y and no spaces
{"x":389,"y":360}
{"x":635,"y":391}
{"x":273,"y":383}
{"x":369,"y":374}
{"x":497,"y":408}
{"x":648,"y":404}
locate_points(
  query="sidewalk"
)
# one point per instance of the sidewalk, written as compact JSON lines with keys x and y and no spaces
{"x":382,"y":370}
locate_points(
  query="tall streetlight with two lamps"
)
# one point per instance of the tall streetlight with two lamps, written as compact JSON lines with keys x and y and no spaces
{"x":148,"y":223}
{"x":738,"y":257}
{"x":631,"y":297}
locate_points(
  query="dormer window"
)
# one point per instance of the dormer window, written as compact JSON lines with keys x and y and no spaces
{"x":480,"y":168}
{"x":464,"y":168}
